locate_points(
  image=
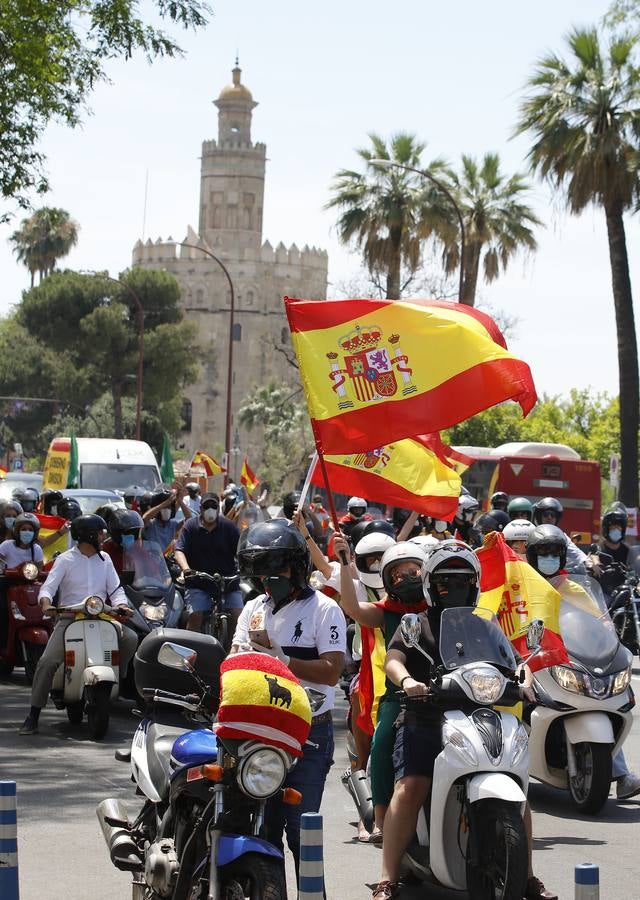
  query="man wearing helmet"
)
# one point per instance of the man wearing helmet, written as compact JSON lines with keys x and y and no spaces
{"x":27,"y":498}
{"x":468,"y":508}
{"x":356,"y":512}
{"x":520,"y":508}
{"x":22,"y":547}
{"x":614,"y":530}
{"x":516,"y":533}
{"x":76,"y":574}
{"x":306,"y":631}
{"x":499,"y":500}
{"x":161,"y":524}
{"x":125,"y":528}
{"x":548,"y":511}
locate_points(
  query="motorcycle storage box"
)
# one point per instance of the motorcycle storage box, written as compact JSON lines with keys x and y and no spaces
{"x":149,"y":673}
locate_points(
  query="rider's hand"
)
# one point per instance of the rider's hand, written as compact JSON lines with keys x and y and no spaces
{"x":341,"y":548}
{"x":529,"y":694}
{"x":275,"y":650}
{"x":301,"y":525}
{"x":413,"y":688}
{"x":241,"y":647}
{"x":124,"y":611}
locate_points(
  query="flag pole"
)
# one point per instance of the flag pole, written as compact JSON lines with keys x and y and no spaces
{"x":307,"y":481}
{"x":327,"y":487}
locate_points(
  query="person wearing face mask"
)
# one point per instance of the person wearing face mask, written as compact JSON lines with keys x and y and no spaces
{"x":15,"y":551}
{"x":125,"y":529}
{"x":9,"y":512}
{"x":306,"y":631}
{"x":356,"y":512}
{"x":208,"y":543}
{"x":614,"y":530}
{"x":28,"y":498}
{"x":161,"y":525}
{"x":468,"y":508}
{"x":548,"y":511}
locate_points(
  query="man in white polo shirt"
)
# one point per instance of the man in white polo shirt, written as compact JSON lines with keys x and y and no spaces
{"x":306,"y":631}
{"x":77,"y":574}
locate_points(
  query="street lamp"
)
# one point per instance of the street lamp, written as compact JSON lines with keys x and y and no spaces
{"x":391,"y":164}
{"x":227,"y":431}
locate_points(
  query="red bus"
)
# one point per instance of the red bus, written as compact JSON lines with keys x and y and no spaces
{"x":540,"y":470}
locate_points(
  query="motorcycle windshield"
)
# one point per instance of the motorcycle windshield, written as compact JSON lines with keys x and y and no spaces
{"x":585,"y":624}
{"x":470,"y":634}
{"x":146,"y":561}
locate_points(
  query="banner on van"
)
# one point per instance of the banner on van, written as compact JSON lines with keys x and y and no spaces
{"x":56,"y":467}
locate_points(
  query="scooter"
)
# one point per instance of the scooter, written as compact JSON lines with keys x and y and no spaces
{"x":583,"y":713}
{"x":150,"y":591}
{"x":470,"y":833}
{"x":28,"y":629}
{"x":89,"y":677}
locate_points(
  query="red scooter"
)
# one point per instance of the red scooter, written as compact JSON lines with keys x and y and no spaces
{"x":26,"y":629}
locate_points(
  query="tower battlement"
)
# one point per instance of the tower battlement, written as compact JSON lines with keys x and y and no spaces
{"x":164,"y":251}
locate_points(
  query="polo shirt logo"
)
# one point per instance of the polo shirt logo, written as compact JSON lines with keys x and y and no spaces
{"x":297,"y":632}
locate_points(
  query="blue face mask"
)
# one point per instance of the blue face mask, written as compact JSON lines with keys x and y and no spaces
{"x":549,"y":565}
{"x":128,"y":540}
{"x":26,"y":537}
{"x":615,"y":535}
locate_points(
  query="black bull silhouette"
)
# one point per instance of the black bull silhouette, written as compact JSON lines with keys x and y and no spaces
{"x":278,"y":693}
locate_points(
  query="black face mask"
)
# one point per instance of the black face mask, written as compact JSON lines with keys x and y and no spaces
{"x":409,"y":590}
{"x":279,"y":587}
{"x":457,"y":595}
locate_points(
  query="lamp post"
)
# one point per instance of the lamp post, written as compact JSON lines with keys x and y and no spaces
{"x":140,"y":311}
{"x":391,"y":164}
{"x":227,"y":430}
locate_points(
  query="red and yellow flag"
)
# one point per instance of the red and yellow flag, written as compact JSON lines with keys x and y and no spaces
{"x":208,"y":463}
{"x":3,"y":472}
{"x":49,"y":525}
{"x":407,"y":473}
{"x":392,"y":368}
{"x":517,"y":594}
{"x":248,"y":478}
{"x":371,"y":677}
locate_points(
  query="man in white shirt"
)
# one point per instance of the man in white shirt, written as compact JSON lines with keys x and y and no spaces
{"x":306,"y":631}
{"x":77,"y":574}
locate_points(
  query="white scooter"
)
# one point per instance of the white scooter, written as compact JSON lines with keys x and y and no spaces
{"x":584,"y":708}
{"x":470,"y":833}
{"x":89,"y":677}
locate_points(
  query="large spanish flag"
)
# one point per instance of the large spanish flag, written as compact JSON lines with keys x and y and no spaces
{"x":517,"y":594}
{"x":392,"y":368}
{"x":406,"y":473}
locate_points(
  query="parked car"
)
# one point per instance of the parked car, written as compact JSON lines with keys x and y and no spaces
{"x":14,"y":481}
{"x":90,"y":499}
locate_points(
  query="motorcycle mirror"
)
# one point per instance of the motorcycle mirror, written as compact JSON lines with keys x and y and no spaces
{"x":535,"y":633}
{"x":175,"y":656}
{"x":127,"y":578}
{"x":316,"y":698}
{"x":410,"y":630}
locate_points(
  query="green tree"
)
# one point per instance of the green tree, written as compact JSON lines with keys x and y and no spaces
{"x":52,"y":55}
{"x":584,"y":117}
{"x":44,"y":238}
{"x":497,"y":222}
{"x":383,"y":212}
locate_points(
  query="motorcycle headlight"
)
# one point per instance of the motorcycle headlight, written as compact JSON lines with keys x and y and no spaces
{"x":154,"y":613}
{"x":30,"y":571}
{"x":456,"y":739}
{"x":568,"y":679}
{"x":93,"y":606}
{"x":520,"y":745}
{"x":486,"y":685}
{"x":621,"y":681}
{"x":261,"y":773}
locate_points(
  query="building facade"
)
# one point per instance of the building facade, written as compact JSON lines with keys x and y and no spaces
{"x":232,"y":182}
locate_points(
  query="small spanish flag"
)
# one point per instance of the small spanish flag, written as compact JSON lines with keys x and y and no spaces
{"x":3,"y":473}
{"x":50,"y":525}
{"x":248,"y":478}
{"x":207,"y":462}
{"x":262,"y":700}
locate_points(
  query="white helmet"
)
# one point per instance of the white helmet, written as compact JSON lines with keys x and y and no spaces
{"x":374,"y":544}
{"x":357,"y":503}
{"x":404,"y":551}
{"x":467,"y":507}
{"x":426,"y":541}
{"x":517,"y":530}
{"x":451,"y":558}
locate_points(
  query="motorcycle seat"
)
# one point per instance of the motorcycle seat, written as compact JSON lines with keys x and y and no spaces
{"x":160,"y":740}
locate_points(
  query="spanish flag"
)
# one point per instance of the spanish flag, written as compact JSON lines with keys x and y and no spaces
{"x":208,"y":463}
{"x":262,"y":700}
{"x":392,"y":368}
{"x":248,"y":478}
{"x":371,"y":677}
{"x":49,"y":525}
{"x":517,"y":594}
{"x":405,"y":473}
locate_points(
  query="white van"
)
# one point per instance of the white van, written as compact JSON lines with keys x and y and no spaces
{"x":103,"y":463}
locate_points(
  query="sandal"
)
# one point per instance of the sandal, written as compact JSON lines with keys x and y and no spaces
{"x":385,"y":890}
{"x":376,"y":836}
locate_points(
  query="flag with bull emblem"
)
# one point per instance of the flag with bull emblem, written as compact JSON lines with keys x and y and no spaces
{"x":399,"y":368}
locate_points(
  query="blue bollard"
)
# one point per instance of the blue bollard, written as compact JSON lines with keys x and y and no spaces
{"x":311,"y":872}
{"x":587,"y":882}
{"x":9,"y":889}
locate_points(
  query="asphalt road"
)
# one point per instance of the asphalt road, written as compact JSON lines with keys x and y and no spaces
{"x":62,"y":776}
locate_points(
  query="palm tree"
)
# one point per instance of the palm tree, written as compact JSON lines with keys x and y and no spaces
{"x":43,"y":239}
{"x":384,"y":210}
{"x":584,"y":116}
{"x":497,"y":222}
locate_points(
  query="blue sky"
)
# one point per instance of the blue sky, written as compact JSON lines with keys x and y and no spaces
{"x":325,"y":75}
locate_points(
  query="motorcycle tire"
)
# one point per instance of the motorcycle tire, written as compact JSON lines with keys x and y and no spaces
{"x":502,"y":852}
{"x":256,"y":877}
{"x":98,"y":711}
{"x":75,"y":712}
{"x":32,"y":654}
{"x":625,"y":629}
{"x":590,"y":791}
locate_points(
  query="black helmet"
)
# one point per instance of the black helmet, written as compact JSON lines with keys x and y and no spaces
{"x":546,"y":540}
{"x":501,"y":517}
{"x":88,"y":529}
{"x":50,"y":500}
{"x":27,"y":498}
{"x":290,"y":502}
{"x":487,"y":522}
{"x":26,"y":519}
{"x":520,"y":508}
{"x":106,"y":511}
{"x":69,"y":508}
{"x":144,"y":502}
{"x":499,"y":500}
{"x":161,"y":493}
{"x":615,"y":515}
{"x":375,"y":525}
{"x":266,"y":548}
{"x":133,"y":493}
{"x":547,"y":505}
{"x":124,"y":521}
{"x":193,"y":488}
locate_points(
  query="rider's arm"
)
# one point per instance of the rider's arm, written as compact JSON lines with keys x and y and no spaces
{"x":115,"y":592}
{"x":181,"y":560}
{"x":241,"y":634}
{"x":395,"y":667}
{"x":52,"y":582}
{"x":317,"y":556}
{"x":325,"y":670}
{"x":183,"y":506}
{"x":364,"y":613}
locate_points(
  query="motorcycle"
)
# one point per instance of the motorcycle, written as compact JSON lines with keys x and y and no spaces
{"x":150,"y":591}
{"x":583,"y":710}
{"x":27,"y":629}
{"x":216,"y":621}
{"x":470,"y":834}
{"x":89,"y":677}
{"x":199,"y":832}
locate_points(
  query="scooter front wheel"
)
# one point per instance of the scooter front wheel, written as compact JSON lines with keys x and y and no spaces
{"x":501,"y":849}
{"x":590,"y":787}
{"x":98,"y":710}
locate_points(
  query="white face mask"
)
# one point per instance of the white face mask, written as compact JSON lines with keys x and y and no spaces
{"x":615,"y":535}
{"x":165,"y":514}
{"x":440,"y":526}
{"x":210,"y":515}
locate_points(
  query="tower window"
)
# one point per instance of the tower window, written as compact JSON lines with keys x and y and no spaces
{"x":235,"y":129}
{"x":237,"y":331}
{"x":249,"y":299}
{"x":186,"y":414}
{"x":284,"y":336}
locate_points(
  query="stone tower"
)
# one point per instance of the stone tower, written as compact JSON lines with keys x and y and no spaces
{"x":232,"y":178}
